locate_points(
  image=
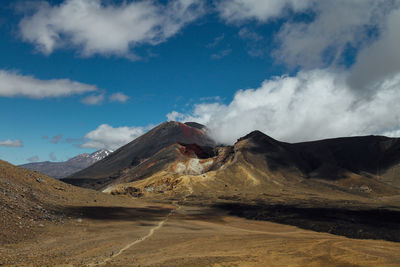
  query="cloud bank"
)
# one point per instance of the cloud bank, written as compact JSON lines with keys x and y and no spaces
{"x":312,"y":105}
{"x":380,"y":60}
{"x":13,"y":84}
{"x":108,"y":137}
{"x":100,"y":27}
{"x":335,"y":32}
{"x":11,"y":143}
{"x":337,"y":27}
{"x":349,"y":77}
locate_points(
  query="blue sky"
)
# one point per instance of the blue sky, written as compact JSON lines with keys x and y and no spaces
{"x":190,"y":64}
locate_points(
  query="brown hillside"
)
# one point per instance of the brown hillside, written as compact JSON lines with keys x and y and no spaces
{"x":30,"y":200}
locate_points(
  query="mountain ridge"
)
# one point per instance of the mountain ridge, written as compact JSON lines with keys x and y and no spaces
{"x":258,"y":163}
{"x":64,"y":168}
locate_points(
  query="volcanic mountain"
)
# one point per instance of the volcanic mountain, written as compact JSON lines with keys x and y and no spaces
{"x":138,"y":151}
{"x":66,"y":168}
{"x":258,"y":164}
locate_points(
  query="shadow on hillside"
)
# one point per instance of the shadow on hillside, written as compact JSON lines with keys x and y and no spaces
{"x":117,"y":213}
{"x":208,"y":214}
{"x":363,"y":224}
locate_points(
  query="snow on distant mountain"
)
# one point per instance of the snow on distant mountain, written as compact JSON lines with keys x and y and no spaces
{"x":100,"y":154}
{"x":66,"y":168}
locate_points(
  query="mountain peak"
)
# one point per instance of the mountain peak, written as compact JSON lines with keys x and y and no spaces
{"x":195,"y":125}
{"x":257,"y":136}
{"x":135,"y":152}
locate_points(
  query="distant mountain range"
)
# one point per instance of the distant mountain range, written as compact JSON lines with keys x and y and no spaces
{"x":66,"y":168}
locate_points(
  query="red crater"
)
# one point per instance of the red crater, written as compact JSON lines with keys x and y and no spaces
{"x":191,"y":150}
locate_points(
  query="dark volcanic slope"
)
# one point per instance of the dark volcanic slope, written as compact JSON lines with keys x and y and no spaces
{"x":330,"y":158}
{"x":371,"y":154}
{"x":66,"y":168}
{"x":139,"y":150}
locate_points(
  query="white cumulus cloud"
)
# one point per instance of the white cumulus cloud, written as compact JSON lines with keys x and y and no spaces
{"x":13,"y":84}
{"x":93,"y":99}
{"x":108,"y":137}
{"x":11,"y":143}
{"x":313,"y":105}
{"x":119,"y":97}
{"x":349,"y":77}
{"x":101,"y":27}
{"x":263,"y":10}
{"x":363,"y":34}
{"x":338,"y":25}
{"x":380,"y":60}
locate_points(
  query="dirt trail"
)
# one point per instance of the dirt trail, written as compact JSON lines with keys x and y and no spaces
{"x":139,"y":240}
{"x":151,"y":232}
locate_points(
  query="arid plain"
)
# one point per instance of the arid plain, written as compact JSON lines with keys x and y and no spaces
{"x":177,"y":235}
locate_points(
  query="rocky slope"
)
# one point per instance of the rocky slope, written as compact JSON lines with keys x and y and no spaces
{"x":30,"y":200}
{"x":66,"y":168}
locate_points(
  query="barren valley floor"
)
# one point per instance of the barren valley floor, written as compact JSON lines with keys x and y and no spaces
{"x":149,"y":234}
